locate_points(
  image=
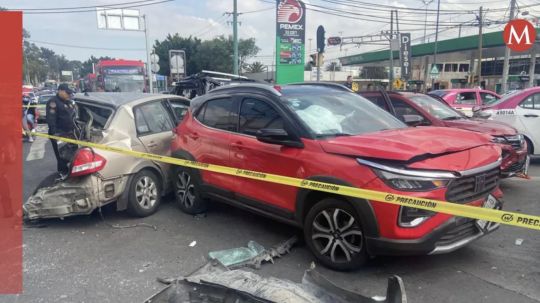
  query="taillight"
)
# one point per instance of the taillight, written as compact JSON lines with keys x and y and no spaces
{"x":87,"y":162}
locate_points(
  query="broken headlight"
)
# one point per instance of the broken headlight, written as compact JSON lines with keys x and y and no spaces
{"x":410,"y":183}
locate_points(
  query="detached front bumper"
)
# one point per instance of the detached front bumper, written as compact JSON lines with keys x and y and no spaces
{"x":452,"y":235}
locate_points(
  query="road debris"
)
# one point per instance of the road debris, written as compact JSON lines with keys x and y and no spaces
{"x":253,"y":255}
{"x":193,"y":243}
{"x":519,"y":242}
{"x":214,"y":282}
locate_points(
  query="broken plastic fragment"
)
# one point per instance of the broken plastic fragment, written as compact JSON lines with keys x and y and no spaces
{"x":233,"y":256}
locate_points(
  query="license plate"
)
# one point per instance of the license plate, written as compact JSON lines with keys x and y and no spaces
{"x":491,"y":202}
{"x":526,"y":166}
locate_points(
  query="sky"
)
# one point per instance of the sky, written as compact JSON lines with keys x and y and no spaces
{"x":205,"y":19}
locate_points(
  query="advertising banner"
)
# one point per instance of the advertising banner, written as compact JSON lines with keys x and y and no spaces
{"x":290,"y":40}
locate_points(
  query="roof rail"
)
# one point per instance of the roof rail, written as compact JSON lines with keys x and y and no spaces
{"x":327,"y":84}
{"x":209,"y":72}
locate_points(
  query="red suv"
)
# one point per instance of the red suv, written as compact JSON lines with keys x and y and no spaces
{"x":429,"y":111}
{"x":332,"y":135}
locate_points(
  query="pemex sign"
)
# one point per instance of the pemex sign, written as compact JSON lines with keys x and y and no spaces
{"x":290,"y":40}
{"x":519,"y":35}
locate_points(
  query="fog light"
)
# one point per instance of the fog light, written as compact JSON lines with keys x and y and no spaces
{"x":109,"y":190}
{"x":412,"y":217}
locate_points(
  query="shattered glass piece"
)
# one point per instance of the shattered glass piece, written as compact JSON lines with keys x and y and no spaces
{"x":233,"y":256}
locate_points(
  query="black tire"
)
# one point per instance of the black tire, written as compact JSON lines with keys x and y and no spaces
{"x":187,"y":191}
{"x":342,"y":248}
{"x":144,"y":194}
{"x":529,"y":146}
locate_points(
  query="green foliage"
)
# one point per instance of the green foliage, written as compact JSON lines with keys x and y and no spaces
{"x":215,"y":54}
{"x":333,"y":66}
{"x":255,"y":67}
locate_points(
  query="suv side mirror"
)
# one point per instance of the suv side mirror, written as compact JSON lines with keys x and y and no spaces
{"x":413,"y":120}
{"x":277,"y":136}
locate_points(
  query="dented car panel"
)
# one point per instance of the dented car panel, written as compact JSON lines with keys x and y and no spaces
{"x":108,"y":121}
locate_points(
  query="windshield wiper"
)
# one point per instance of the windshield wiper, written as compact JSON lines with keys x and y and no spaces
{"x":333,"y":135}
{"x":452,"y":118}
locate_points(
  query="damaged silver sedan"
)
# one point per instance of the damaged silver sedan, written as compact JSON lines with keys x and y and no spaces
{"x":135,"y":121}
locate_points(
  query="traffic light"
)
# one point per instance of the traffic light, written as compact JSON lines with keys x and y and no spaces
{"x":320,"y":39}
{"x":313,"y":59}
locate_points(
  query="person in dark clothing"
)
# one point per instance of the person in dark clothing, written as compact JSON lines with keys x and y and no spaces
{"x":29,"y":118}
{"x":60,"y":115}
{"x":348,"y":84}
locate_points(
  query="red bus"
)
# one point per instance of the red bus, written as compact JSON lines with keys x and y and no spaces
{"x":117,"y":76}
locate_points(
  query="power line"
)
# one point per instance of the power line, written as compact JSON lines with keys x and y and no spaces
{"x":85,"y":47}
{"x":86,"y":10}
{"x":80,"y":7}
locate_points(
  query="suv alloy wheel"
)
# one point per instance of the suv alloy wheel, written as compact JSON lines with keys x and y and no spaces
{"x":186,"y":191}
{"x":334,"y":234}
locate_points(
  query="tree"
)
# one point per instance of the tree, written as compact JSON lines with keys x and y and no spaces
{"x":373,"y":72}
{"x":255,"y":67}
{"x":87,"y":66}
{"x":175,"y":42}
{"x":333,"y":66}
{"x":308,"y":67}
{"x":215,"y":54}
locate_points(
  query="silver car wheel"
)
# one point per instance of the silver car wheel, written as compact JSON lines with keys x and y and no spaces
{"x":337,"y":235}
{"x":146,"y":192}
{"x":185,"y":190}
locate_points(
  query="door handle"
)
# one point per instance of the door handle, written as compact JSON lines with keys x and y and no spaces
{"x":237,"y":145}
{"x":194,"y":136}
{"x":531,"y":115}
{"x":152,"y":144}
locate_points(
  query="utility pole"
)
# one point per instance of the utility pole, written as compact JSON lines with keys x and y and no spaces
{"x":480,"y":41}
{"x":436,"y":41}
{"x":235,"y":37}
{"x":506,"y":64}
{"x":391,"y":58}
{"x":532,"y":66}
{"x":459,"y":34}
{"x":148,"y":62}
{"x":426,"y":3}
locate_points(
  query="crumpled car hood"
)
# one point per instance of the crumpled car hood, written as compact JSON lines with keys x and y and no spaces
{"x":406,"y":144}
{"x":489,"y":127}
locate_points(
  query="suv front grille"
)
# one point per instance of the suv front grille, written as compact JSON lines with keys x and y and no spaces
{"x":464,"y":229}
{"x":470,"y":188}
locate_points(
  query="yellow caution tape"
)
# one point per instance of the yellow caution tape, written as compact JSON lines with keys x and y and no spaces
{"x":474,"y":212}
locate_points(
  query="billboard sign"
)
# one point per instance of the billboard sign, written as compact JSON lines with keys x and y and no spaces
{"x":119,"y":19}
{"x":290,"y":35}
{"x":405,"y":55}
{"x":177,"y":63}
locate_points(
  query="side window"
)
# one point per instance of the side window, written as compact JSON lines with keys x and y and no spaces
{"x":377,"y":100}
{"x":179,"y":108}
{"x":256,"y":114}
{"x":152,"y":118}
{"x":466,"y":98}
{"x":532,"y":102}
{"x":216,"y":113}
{"x":402,"y":109}
{"x":488,"y":98}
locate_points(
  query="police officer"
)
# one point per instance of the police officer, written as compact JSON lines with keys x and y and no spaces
{"x":60,"y":118}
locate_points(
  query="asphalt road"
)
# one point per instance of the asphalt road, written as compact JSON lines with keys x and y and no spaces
{"x":83,"y":259}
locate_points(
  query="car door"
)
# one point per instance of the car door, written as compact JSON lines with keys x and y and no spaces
{"x":528,"y":112}
{"x":178,"y":109}
{"x":465,"y":101}
{"x":487,"y":98}
{"x":402,"y":108}
{"x":248,"y":153}
{"x":154,"y":128}
{"x":209,"y":135}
